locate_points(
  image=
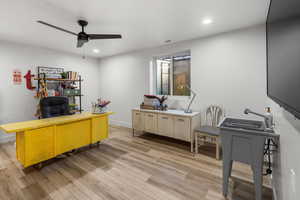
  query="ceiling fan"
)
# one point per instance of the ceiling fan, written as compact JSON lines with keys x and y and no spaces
{"x":83,"y":37}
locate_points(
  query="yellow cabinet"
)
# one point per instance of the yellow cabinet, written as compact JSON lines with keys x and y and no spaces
{"x":72,"y":135}
{"x":99,"y":129}
{"x":40,"y":140}
{"x":39,"y":146}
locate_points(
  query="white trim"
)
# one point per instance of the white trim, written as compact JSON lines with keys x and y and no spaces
{"x":153,"y":73}
{"x":120,"y":123}
{"x":152,"y":84}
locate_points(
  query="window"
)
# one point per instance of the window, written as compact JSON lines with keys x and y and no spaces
{"x":173,"y":74}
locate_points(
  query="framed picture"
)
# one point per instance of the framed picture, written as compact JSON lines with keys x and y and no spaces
{"x":50,"y":72}
{"x":17,"y":77}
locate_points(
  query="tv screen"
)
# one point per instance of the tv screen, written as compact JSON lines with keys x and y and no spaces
{"x":283,"y":54}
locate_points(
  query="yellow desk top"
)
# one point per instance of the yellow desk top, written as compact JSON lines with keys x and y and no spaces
{"x":39,"y":123}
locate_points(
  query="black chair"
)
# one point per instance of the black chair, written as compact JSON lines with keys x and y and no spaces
{"x":54,"y":107}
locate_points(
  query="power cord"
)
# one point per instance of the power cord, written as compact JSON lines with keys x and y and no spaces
{"x":270,"y":143}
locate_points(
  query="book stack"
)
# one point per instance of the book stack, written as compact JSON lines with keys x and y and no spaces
{"x":149,"y":104}
{"x":72,"y":75}
{"x":54,"y":76}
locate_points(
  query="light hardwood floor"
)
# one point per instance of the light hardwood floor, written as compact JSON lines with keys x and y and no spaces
{"x":147,"y":167}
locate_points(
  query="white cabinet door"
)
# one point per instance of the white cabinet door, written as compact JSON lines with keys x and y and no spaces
{"x":138,"y":120}
{"x":150,"y":121}
{"x":182,"y":128}
{"x":165,"y":125}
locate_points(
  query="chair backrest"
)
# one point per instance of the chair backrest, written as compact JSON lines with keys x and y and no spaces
{"x":214,"y":115}
{"x":54,"y":106}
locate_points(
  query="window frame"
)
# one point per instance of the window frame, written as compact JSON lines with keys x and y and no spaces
{"x":153,"y":90}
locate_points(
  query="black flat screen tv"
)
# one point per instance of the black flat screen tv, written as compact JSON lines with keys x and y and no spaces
{"x":283,"y":54}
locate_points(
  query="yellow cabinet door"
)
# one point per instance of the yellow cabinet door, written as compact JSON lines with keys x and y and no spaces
{"x":99,"y":128}
{"x":38,"y":145}
{"x":73,"y":135}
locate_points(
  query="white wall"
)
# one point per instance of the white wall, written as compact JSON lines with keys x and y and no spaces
{"x":287,"y":166}
{"x":227,"y":69}
{"x":16,"y":102}
{"x":124,"y":80}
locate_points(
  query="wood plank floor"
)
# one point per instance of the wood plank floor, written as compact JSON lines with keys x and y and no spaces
{"x":146,"y":167}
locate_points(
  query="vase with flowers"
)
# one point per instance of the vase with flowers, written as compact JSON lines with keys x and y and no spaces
{"x":100,"y":106}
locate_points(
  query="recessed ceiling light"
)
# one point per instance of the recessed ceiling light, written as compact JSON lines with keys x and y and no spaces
{"x":207,"y":21}
{"x":96,"y":50}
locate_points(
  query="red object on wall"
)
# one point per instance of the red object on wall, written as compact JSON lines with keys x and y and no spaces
{"x":28,"y":78}
{"x":17,"y":77}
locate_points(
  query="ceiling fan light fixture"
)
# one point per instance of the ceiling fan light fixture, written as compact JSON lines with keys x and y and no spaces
{"x":83,"y":37}
{"x":207,"y":21}
{"x":96,"y":50}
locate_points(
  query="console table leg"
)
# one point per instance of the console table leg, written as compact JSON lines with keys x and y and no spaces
{"x":132,"y":132}
{"x":196,"y":143}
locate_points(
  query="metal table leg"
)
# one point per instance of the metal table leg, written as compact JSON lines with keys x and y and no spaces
{"x":227,"y":168}
{"x":192,"y":142}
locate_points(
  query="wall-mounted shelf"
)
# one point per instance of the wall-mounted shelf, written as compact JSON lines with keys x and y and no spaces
{"x":58,"y":79}
{"x":63,"y":84}
{"x":74,"y":111}
{"x":74,"y":95}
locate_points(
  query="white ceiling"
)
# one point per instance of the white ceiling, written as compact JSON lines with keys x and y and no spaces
{"x":142,"y":23}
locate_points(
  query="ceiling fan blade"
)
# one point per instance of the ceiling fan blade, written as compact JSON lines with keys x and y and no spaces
{"x":80,"y":43}
{"x":104,"y":36}
{"x":56,"y":27}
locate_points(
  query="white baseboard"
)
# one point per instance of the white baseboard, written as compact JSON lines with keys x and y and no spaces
{"x":7,"y":139}
{"x":120,"y":123}
{"x":274,"y":193}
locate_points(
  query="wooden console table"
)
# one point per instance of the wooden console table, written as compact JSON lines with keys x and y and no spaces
{"x":40,"y":140}
{"x":171,"y":123}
